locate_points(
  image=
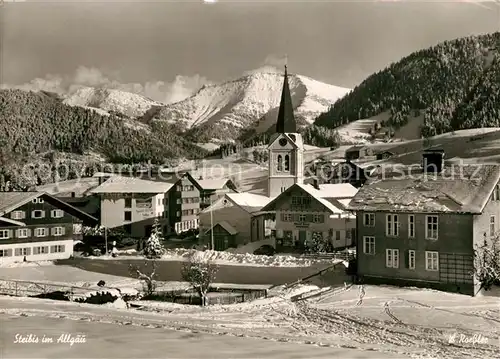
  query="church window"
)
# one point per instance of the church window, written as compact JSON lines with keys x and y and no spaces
{"x":287,"y":163}
{"x":280,"y":163}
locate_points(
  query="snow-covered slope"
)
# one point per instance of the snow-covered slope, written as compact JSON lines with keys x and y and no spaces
{"x":242,"y":102}
{"x":127,"y":103}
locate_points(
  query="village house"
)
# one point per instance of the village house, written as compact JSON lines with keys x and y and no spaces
{"x":36,"y":226}
{"x":213,"y":189}
{"x":230,"y":222}
{"x":307,"y":214}
{"x":421,"y":229}
{"x":132,"y":204}
{"x":356,"y":174}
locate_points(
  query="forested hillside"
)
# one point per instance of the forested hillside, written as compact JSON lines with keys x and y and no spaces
{"x":35,"y":123}
{"x":454,"y":84}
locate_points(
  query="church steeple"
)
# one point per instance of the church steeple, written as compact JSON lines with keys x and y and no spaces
{"x":286,"y":120}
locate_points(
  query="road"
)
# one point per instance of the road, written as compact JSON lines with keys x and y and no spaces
{"x":171,"y":271}
{"x":119,"y":341}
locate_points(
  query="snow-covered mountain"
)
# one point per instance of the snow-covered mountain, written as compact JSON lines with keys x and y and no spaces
{"x":129,"y":104}
{"x":243,"y":102}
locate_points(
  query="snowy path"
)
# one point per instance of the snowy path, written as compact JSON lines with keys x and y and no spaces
{"x":107,"y":340}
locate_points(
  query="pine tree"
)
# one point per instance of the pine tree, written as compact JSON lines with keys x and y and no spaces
{"x":153,"y":247}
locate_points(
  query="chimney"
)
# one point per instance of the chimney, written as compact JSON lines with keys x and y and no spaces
{"x":316,"y":184}
{"x":433,"y":161}
{"x":73,"y":194}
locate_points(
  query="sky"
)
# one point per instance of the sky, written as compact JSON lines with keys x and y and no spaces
{"x":167,"y":49}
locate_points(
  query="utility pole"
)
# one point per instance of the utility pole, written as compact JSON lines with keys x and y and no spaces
{"x":212,"y":244}
{"x":106,"y":239}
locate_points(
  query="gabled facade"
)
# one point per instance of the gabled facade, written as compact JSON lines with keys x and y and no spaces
{"x":213,"y":189}
{"x":305,"y":214}
{"x":238,"y":210}
{"x":183,"y":201}
{"x":37,"y":226}
{"x":422,"y":231}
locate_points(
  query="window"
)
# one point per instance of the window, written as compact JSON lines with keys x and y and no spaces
{"x":22,"y":251}
{"x":279,"y":167}
{"x":128,"y":202}
{"x":283,"y":189}
{"x":302,"y":218}
{"x":40,"y":250}
{"x":432,"y":261}
{"x":369,"y":245}
{"x":22,"y":233}
{"x":369,"y":219}
{"x":287,"y":163}
{"x":18,"y":215}
{"x":392,"y":225}
{"x":179,"y":200}
{"x":411,"y":259}
{"x":57,"y":249}
{"x":4,"y":233}
{"x":38,"y":214}
{"x":5,"y":252}
{"x":57,"y":213}
{"x":431,"y":227}
{"x":179,"y":188}
{"x":496,"y":193}
{"x":492,"y":226}
{"x":178,"y":213}
{"x":286,"y":217}
{"x":392,"y":258}
{"x":37,"y":200}
{"x":159,"y":201}
{"x":337,"y":235}
{"x":127,"y":215}
{"x":411,"y":226}
{"x":57,"y":231}
{"x":40,"y":232}
{"x":316,"y":218}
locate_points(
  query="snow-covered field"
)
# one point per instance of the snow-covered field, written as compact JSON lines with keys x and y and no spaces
{"x":369,"y":320}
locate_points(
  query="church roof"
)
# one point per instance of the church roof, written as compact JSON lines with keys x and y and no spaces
{"x":286,"y":120}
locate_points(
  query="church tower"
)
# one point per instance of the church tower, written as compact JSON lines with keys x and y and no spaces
{"x":286,"y":149}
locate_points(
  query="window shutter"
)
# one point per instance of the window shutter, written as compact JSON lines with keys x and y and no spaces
{"x":28,"y":230}
{"x":28,"y":251}
{"x":10,"y":233}
{"x":52,"y":249}
{"x":32,"y":214}
{"x":17,"y":252}
{"x":309,"y":218}
{"x":407,"y":259}
{"x":63,"y":231}
{"x":9,"y":252}
{"x":387,"y":257}
{"x":52,"y":231}
{"x":63,"y":248}
{"x":43,"y":214}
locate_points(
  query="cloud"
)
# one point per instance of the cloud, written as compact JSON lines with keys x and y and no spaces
{"x":166,"y":92}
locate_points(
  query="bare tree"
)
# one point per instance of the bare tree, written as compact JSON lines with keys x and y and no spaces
{"x":487,"y":263}
{"x":147,"y":276}
{"x":200,"y":273}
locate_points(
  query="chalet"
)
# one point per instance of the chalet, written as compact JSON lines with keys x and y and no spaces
{"x":36,"y":226}
{"x":357,"y":152}
{"x":356,"y":174}
{"x":233,"y":222}
{"x":306,"y":213}
{"x":132,"y":204}
{"x":213,"y":189}
{"x":421,"y":227}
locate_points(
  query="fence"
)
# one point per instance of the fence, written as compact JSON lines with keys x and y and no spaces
{"x":346,"y":256}
{"x":20,"y":288}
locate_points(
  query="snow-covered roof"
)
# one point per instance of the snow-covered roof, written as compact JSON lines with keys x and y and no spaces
{"x":319,"y":196}
{"x":227,"y":227}
{"x":249,"y":201}
{"x":103,"y":174}
{"x":216,"y":183}
{"x":337,"y":190}
{"x":458,"y":188}
{"x":119,"y":184}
